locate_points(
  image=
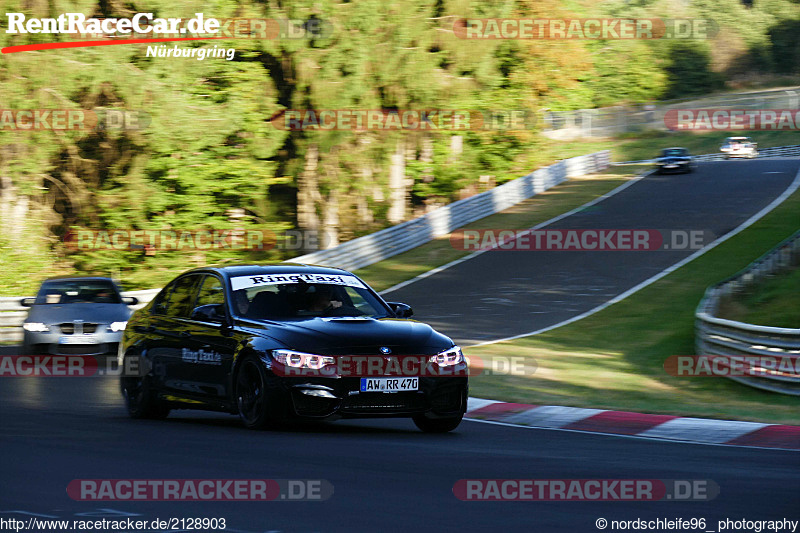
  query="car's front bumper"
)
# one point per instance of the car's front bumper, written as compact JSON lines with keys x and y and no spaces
{"x":437,"y":396}
{"x":673,"y":167}
{"x":740,"y":153}
{"x":54,"y":342}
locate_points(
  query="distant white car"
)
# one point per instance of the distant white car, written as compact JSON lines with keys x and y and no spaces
{"x":739,"y":147}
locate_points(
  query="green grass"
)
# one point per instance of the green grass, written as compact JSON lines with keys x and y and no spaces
{"x":614,"y":359}
{"x":773,"y":302}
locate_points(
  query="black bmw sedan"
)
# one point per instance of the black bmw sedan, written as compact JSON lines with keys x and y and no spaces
{"x":674,"y":160}
{"x":288,"y":341}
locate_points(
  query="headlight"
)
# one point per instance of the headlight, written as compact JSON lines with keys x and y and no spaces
{"x":302,"y":360}
{"x":117,"y":326}
{"x":450,"y":357}
{"x":34,"y":326}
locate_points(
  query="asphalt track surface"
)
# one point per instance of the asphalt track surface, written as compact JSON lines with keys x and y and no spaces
{"x":388,"y":476}
{"x":501,"y":293}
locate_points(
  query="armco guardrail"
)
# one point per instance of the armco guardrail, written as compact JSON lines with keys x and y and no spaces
{"x":736,"y":340}
{"x":12,"y":314}
{"x":391,"y":241}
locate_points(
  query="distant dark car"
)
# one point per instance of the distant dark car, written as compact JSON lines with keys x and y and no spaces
{"x":75,"y":315}
{"x":674,"y":160}
{"x":284,"y":342}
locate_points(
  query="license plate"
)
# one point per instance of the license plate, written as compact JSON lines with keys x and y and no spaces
{"x":389,"y":384}
{"x":670,"y":166}
{"x":78,"y":339}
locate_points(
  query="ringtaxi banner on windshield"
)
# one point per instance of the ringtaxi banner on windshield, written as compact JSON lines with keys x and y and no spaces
{"x":246,"y":282}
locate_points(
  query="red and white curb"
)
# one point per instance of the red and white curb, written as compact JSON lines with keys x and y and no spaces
{"x":667,"y":427}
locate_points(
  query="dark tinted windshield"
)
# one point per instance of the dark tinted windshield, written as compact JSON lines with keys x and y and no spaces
{"x":674,"y":152}
{"x":268,"y":297}
{"x":68,"y":291}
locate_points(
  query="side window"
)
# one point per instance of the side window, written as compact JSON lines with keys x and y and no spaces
{"x":357,"y":300}
{"x":160,"y":301}
{"x":210,"y":304}
{"x":180,"y":299}
{"x":211,"y":292}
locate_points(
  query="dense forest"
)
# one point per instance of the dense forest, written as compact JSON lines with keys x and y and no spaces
{"x":205,"y":153}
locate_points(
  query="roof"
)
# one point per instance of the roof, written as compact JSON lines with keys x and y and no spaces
{"x":73,"y":278}
{"x":278,"y":268}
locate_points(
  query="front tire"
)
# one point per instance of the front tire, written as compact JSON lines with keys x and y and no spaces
{"x":251,"y":394}
{"x":437,"y":425}
{"x":141,"y":400}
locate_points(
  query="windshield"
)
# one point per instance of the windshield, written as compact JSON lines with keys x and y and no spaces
{"x":69,"y":291}
{"x":291,"y":297}
{"x":673,"y":152}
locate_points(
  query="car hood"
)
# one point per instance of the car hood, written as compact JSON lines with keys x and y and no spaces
{"x":355,"y":336}
{"x":88,"y":312}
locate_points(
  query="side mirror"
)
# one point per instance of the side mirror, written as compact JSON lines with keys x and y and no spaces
{"x":209,"y":313}
{"x":401,"y":310}
{"x":27,"y":302}
{"x":130,"y":300}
